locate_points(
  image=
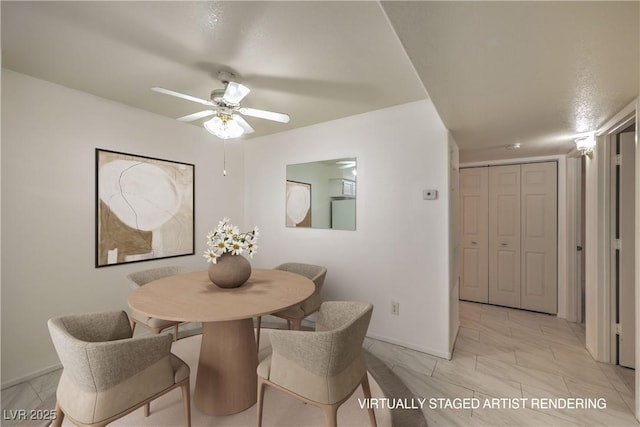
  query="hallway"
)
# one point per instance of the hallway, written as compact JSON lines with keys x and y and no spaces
{"x":507,"y":353}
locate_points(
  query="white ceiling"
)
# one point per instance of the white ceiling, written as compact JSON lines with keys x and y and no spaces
{"x":536,"y":73}
{"x":315,"y":61}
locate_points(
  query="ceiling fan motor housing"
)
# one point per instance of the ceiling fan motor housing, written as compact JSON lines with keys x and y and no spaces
{"x":217,"y":96}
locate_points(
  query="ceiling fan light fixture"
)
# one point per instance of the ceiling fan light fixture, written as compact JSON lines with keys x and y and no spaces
{"x":585,"y":145}
{"x":235,"y":92}
{"x":224,"y":127}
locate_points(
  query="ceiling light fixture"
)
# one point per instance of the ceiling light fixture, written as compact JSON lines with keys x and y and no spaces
{"x":234,"y":93}
{"x":224,"y":126}
{"x":586,"y":144}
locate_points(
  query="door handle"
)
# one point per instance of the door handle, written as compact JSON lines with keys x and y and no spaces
{"x":579,"y":248}
{"x":504,"y":244}
{"x":474,"y":243}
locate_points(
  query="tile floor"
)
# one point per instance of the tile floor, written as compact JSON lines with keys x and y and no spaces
{"x":519,"y":357}
{"x":500,"y":353}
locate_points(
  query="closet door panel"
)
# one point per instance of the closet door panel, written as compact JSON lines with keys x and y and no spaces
{"x":533,"y":268}
{"x":504,"y":235}
{"x":474,"y":276}
{"x":506,"y":277}
{"x":539,"y":237}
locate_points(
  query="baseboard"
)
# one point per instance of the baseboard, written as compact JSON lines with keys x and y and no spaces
{"x":30,"y":376}
{"x":429,"y":351}
{"x":453,"y":342}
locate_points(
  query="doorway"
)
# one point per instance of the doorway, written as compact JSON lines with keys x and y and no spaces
{"x":622,"y":202}
{"x":599,"y":320}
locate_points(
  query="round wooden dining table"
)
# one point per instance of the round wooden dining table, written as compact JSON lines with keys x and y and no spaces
{"x":226,"y":379}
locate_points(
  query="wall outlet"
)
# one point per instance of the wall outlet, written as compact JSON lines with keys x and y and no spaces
{"x":429,"y":194}
{"x":395,"y":308}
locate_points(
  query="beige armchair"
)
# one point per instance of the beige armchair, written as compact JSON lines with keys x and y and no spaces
{"x":294,"y":315}
{"x":322,"y":368}
{"x":107,"y":374}
{"x":141,"y":278}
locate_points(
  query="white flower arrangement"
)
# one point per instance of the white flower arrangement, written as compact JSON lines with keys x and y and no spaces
{"x":226,"y":238}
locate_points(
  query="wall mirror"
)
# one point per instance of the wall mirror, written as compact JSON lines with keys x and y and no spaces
{"x":322,"y":194}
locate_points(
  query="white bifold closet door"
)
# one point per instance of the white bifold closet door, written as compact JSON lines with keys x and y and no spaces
{"x":509,"y":232}
{"x":504,"y":235}
{"x":539,"y":231}
{"x":474,"y":245}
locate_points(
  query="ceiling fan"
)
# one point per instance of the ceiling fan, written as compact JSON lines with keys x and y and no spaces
{"x":227,"y":121}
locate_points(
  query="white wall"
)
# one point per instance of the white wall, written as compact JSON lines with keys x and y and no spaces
{"x":454,"y":239}
{"x":0,"y":212}
{"x":49,"y":136}
{"x":400,"y":248}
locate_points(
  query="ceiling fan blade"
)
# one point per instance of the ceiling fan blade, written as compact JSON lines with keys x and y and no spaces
{"x":262,"y":114}
{"x":196,"y":116}
{"x":235,"y":92}
{"x":181,"y":95}
{"x":242,"y":123}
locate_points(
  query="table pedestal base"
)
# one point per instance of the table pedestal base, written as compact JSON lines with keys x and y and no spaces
{"x":226,"y":381}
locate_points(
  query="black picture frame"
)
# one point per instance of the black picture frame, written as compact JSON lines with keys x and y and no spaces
{"x":145,"y":208}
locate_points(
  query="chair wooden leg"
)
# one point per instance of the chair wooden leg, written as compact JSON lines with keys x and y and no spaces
{"x":57,"y":422}
{"x":289,"y":324}
{"x":366,"y":390}
{"x":330,"y":415}
{"x":175,"y":334}
{"x":297,"y":324}
{"x":261,"y":386}
{"x":147,"y":409}
{"x":133,"y":326}
{"x":186,"y":400}
{"x":258,"y":324}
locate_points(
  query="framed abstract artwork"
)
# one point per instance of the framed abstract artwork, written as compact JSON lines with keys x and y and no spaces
{"x":298,"y":204}
{"x":144,"y":208}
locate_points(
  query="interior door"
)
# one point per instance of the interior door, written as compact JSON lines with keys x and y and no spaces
{"x":539,"y":231}
{"x":626,"y":218}
{"x":474,"y":194}
{"x":504,"y":235}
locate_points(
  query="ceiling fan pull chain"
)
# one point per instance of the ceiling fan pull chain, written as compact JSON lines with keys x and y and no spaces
{"x":224,"y":157}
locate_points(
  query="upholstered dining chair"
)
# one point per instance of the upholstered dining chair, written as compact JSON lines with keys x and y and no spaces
{"x":140,"y":278}
{"x":322,"y":368}
{"x":107,"y":374}
{"x":294,"y":315}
